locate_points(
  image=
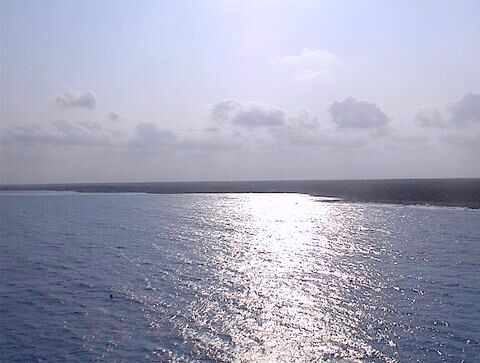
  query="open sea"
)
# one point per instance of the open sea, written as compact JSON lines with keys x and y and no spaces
{"x":235,"y":278}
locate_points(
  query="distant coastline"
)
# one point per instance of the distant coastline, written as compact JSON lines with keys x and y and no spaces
{"x":442,"y":192}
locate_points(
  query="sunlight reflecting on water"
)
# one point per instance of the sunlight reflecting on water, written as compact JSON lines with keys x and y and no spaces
{"x":284,"y":281}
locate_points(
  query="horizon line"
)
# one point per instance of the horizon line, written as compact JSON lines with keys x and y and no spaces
{"x":239,"y":181}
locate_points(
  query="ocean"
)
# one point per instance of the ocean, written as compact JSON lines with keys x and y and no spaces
{"x":284,"y":277}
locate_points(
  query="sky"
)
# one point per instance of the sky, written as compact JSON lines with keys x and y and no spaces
{"x":105,"y":91}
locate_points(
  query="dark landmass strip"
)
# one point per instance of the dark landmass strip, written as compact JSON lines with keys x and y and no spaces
{"x":444,"y":192}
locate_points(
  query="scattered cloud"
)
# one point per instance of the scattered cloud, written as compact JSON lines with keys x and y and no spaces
{"x":463,"y":141}
{"x":212,"y":129}
{"x":310,"y":64}
{"x":430,"y":117}
{"x":304,"y":119}
{"x":247,"y":114}
{"x":357,"y":114}
{"x":74,"y":99}
{"x":463,"y":112}
{"x":239,"y":124}
{"x":150,"y":135}
{"x":60,"y":132}
{"x":113,"y":116}
{"x":466,"y":110}
{"x":405,"y":140}
{"x":146,"y":135}
{"x":279,"y":128}
{"x":310,"y":57}
{"x":301,"y":128}
{"x":210,"y":143}
{"x":22,"y":133}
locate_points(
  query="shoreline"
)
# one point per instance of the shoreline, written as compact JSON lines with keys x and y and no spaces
{"x":463,"y":193}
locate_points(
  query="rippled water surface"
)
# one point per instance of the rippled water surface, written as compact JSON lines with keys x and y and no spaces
{"x":235,"y":278}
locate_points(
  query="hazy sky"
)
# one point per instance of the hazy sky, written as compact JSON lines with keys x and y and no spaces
{"x":96,"y":91}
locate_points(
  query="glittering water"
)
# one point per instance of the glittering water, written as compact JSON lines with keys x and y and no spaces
{"x":235,"y":278}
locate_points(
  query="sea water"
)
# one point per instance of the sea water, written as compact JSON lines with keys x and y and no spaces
{"x":235,"y":278}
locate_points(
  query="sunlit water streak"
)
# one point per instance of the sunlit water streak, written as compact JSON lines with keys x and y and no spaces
{"x":235,"y":278}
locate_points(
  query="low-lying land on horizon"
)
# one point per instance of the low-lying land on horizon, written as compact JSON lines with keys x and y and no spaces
{"x":445,"y":192}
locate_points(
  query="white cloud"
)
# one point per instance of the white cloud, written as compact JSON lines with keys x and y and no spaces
{"x":310,"y":64}
{"x":310,"y":58}
{"x":357,"y":114}
{"x":71,"y":98}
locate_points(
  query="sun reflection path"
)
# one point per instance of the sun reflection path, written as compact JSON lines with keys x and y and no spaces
{"x":285,"y":290}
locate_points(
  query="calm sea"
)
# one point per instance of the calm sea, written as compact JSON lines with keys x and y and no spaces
{"x":235,"y":278}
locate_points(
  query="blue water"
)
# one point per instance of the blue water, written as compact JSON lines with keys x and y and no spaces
{"x":235,"y":278}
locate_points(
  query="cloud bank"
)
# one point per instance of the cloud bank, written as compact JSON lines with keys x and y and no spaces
{"x":235,"y":124}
